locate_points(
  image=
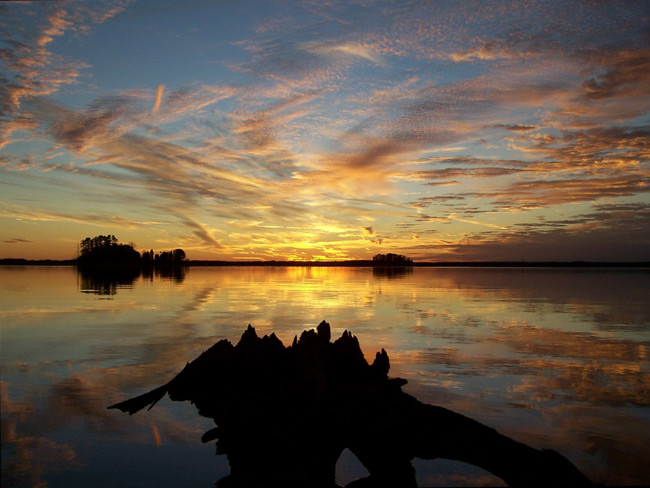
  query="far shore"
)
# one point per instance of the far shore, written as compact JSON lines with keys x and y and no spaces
{"x":357,"y":264}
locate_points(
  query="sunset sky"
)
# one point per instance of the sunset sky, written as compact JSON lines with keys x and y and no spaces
{"x":248,"y":130}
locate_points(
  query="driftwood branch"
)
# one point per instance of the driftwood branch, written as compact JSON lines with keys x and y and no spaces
{"x":285,"y":414}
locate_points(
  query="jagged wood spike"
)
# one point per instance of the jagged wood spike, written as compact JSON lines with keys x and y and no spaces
{"x":210,"y":435}
{"x":136,"y":404}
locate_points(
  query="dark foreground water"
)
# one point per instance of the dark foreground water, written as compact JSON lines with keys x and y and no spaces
{"x":556,"y":358}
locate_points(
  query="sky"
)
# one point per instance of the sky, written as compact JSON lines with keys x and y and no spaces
{"x":316,"y":130}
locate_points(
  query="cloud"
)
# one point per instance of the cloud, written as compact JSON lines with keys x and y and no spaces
{"x":182,"y":182}
{"x":602,"y":148}
{"x":348,"y":48}
{"x":159,"y":94}
{"x":11,"y":125}
{"x":547,"y":192}
{"x":475,"y":222}
{"x":374,"y":117}
{"x":32,"y":69}
{"x":23,"y":212}
{"x":258,"y":133}
{"x":282,"y":58}
{"x":574,"y":166}
{"x":455,"y":173}
{"x":107,"y":119}
{"x":17,"y":240}
{"x":624,"y":73}
{"x":202,"y":233}
{"x":595,"y":236}
{"x":517,"y":127}
{"x":556,"y":350}
{"x":488,"y":50}
{"x":31,"y":453}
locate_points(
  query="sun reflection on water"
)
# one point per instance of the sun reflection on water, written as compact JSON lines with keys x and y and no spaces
{"x":546,"y":356}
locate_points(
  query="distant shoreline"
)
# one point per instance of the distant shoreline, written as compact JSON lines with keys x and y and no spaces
{"x":358,"y":264}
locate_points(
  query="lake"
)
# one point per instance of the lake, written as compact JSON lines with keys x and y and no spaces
{"x":555,"y":358}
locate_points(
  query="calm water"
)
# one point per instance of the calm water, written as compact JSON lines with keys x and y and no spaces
{"x":553,"y":358}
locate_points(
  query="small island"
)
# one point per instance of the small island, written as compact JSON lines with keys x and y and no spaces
{"x":106,"y":250}
{"x":391,"y":259}
{"x":105,"y":265}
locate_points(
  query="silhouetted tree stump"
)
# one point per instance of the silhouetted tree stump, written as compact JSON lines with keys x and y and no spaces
{"x":285,"y":414}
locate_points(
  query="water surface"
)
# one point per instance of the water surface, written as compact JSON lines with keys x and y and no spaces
{"x":556,"y":358}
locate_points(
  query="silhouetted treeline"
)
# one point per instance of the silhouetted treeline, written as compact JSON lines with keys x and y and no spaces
{"x":36,"y":262}
{"x":107,"y":250}
{"x":165,"y":258}
{"x":391,"y":259}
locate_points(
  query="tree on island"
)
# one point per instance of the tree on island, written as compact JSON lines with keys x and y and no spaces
{"x":107,"y":250}
{"x":391,"y":259}
{"x":170,"y":258}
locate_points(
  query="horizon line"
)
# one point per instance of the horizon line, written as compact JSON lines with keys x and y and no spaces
{"x":353,"y":263}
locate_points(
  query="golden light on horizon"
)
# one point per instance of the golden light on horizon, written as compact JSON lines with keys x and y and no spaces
{"x":426,"y":124}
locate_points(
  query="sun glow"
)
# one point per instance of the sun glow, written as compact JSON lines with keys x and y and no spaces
{"x":269,"y":141}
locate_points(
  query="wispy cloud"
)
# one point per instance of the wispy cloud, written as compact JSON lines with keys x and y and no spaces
{"x":348,"y":49}
{"x":475,"y":222}
{"x":204,"y":234}
{"x":159,"y":94}
{"x":17,"y":240}
{"x":32,"y":69}
{"x":455,"y":121}
{"x":39,"y":215}
{"x":593,"y":236}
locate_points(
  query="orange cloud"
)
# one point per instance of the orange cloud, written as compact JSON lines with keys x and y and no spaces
{"x":156,"y":435}
{"x":159,"y":94}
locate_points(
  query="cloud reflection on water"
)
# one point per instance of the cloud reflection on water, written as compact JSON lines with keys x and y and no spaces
{"x":553,"y":358}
